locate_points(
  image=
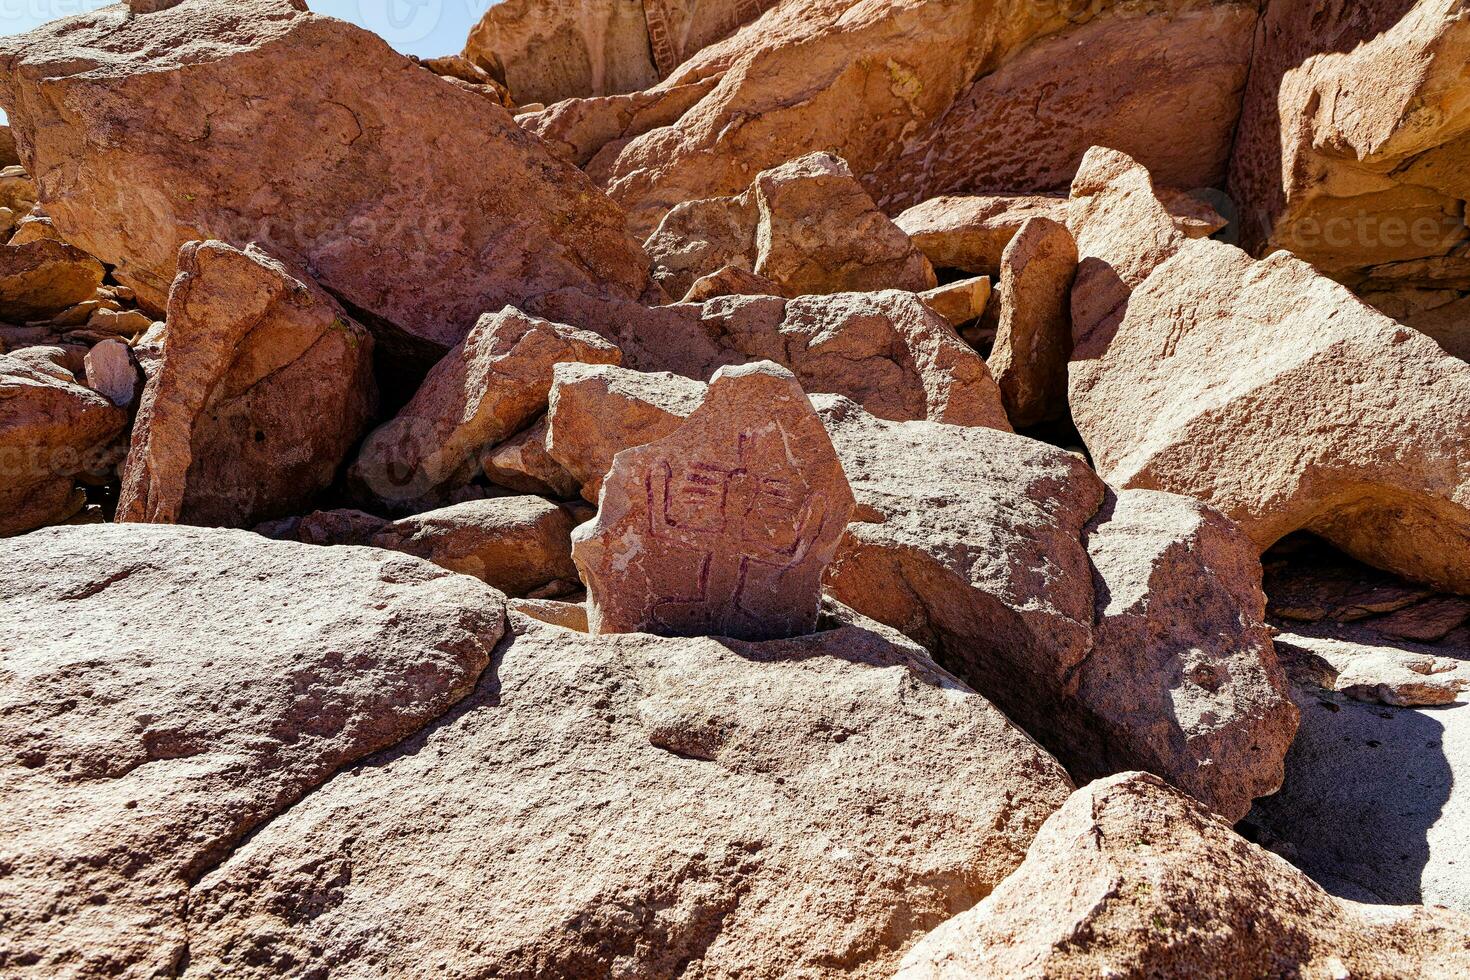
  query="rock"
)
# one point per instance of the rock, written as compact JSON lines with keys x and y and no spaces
{"x":577,"y":129}
{"x":522,"y":463}
{"x":488,"y":388}
{"x":121,"y":323}
{"x":724,"y":526}
{"x":1263,"y":389}
{"x":886,"y":350}
{"x":1159,"y":886}
{"x":44,"y":277}
{"x":515,"y":544}
{"x":145,"y":746}
{"x":597,"y":411}
{"x":1351,"y":141}
{"x":567,"y":615}
{"x":730,"y":280}
{"x":959,"y":302}
{"x":1034,"y":340}
{"x":8,"y":156}
{"x":17,"y":190}
{"x":1182,"y":679}
{"x":470,"y":76}
{"x":1438,"y":313}
{"x":151,"y":130}
{"x":807,"y":225}
{"x":265,"y":384}
{"x":1309,"y":582}
{"x":789,"y":808}
{"x":1165,"y":88}
{"x":51,"y":430}
{"x":558,"y":50}
{"x":1428,"y":621}
{"x":32,"y":228}
{"x":112,"y":373}
{"x":1402,"y":680}
{"x":326,"y":527}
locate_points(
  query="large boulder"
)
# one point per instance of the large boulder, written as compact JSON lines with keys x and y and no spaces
{"x":259,"y":121}
{"x":52,"y":428}
{"x":806,"y":226}
{"x":1033,"y":341}
{"x":264,"y":387}
{"x":1132,"y":878}
{"x":643,"y":806}
{"x":41,"y":278}
{"x":165,"y":691}
{"x":1263,"y":388}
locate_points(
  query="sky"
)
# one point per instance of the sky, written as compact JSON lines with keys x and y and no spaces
{"x":422,"y":27}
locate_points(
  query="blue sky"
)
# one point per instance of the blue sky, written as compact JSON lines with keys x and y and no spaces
{"x":424,"y":27}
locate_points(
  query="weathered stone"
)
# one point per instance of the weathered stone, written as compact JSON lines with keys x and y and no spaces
{"x":265,"y":384}
{"x":1263,"y":388}
{"x":1034,"y":340}
{"x":44,"y":277}
{"x":111,"y":372}
{"x":8,"y":155}
{"x":33,"y":228}
{"x":326,"y":527}
{"x":17,"y":190}
{"x":597,"y":411}
{"x":790,"y":808}
{"x":121,"y":323}
{"x":1439,"y":313}
{"x":523,"y":464}
{"x":567,"y":615}
{"x":807,"y":225}
{"x":723,"y":527}
{"x":1133,"y":878}
{"x":490,"y":386}
{"x":516,"y":544}
{"x":168,"y":690}
{"x":730,"y":280}
{"x":959,"y":302}
{"x":150,"y":131}
{"x":51,"y":430}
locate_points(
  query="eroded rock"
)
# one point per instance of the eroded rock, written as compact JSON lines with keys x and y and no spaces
{"x":1034,"y":339}
{"x":44,"y":277}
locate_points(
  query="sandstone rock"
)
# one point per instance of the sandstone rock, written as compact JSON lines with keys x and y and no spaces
{"x":1159,"y":886}
{"x":111,"y":372}
{"x":1034,"y":339}
{"x":790,"y":808}
{"x":1264,"y":389}
{"x":264,"y":386}
{"x":959,"y":302}
{"x":33,"y":228}
{"x":44,"y":277}
{"x":121,"y":323}
{"x":597,"y":411}
{"x":8,"y":156}
{"x":236,"y":95}
{"x":567,"y":615}
{"x":730,"y":280}
{"x":144,"y":746}
{"x":326,"y":527}
{"x":1402,"y":680}
{"x":489,"y":387}
{"x":51,"y":429}
{"x":577,"y":129}
{"x":559,"y":49}
{"x":807,"y":225}
{"x":523,"y":464}
{"x":471,"y":77}
{"x":724,"y":526}
{"x":1438,"y":313}
{"x":515,"y":544}
{"x":17,"y":190}
{"x":1182,"y":679}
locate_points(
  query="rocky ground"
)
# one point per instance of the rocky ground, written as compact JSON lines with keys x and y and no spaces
{"x":760,"y":488}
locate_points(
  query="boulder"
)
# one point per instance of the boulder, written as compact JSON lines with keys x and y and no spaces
{"x":265,"y":385}
{"x":1263,"y":388}
{"x":723,"y":527}
{"x":599,"y":410}
{"x":51,"y":429}
{"x":153,"y":129}
{"x":959,"y":302}
{"x":515,"y":544}
{"x":44,"y":277}
{"x":145,"y":741}
{"x":111,"y":371}
{"x":326,"y":527}
{"x":489,"y":387}
{"x":522,"y":463}
{"x":8,"y":155}
{"x":33,"y":228}
{"x":17,"y":190}
{"x":643,"y":806}
{"x":1034,"y":339}
{"x":1133,"y":878}
{"x":730,"y":280}
{"x":807,"y":226}
{"x":567,"y":615}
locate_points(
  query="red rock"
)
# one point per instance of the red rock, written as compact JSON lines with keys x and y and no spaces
{"x":264,"y":386}
{"x":729,"y":280}
{"x":724,"y":526}
{"x":959,"y":302}
{"x":522,"y":463}
{"x":43,"y":277}
{"x":111,"y":372}
{"x":1034,"y":340}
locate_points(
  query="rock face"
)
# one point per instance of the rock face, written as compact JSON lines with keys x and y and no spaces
{"x":807,"y":226}
{"x":1264,"y":389}
{"x":237,"y":95}
{"x":486,"y":389}
{"x":723,"y":527}
{"x":41,"y":278}
{"x":790,"y":808}
{"x":143,"y":749}
{"x":564,"y":48}
{"x":1161,"y":887}
{"x":522,"y":463}
{"x":516,"y":544}
{"x":1164,"y":86}
{"x":1034,"y":340}
{"x":264,"y":387}
{"x":51,"y":429}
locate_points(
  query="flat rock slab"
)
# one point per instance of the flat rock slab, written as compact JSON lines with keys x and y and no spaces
{"x":644,"y":806}
{"x":165,"y":690}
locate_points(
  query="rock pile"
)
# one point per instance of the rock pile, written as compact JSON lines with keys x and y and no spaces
{"x":712,"y":488}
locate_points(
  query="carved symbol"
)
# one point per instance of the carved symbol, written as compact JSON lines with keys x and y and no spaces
{"x":660,"y":37}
